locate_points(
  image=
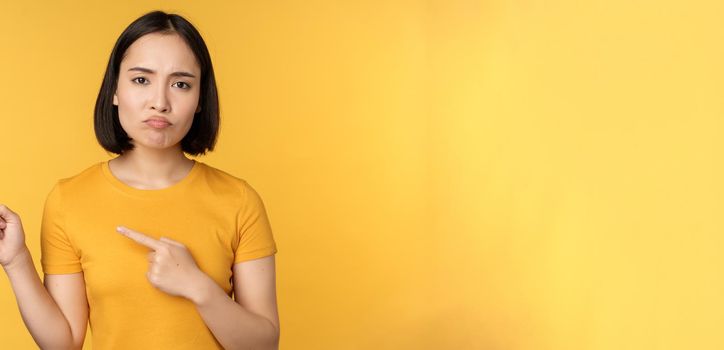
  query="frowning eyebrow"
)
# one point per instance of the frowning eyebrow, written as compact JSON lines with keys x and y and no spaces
{"x":150,"y":71}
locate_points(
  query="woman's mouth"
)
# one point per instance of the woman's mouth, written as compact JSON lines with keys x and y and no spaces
{"x":157,"y":123}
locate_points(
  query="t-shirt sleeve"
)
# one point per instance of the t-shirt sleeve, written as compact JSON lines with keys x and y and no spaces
{"x":255,"y":234}
{"x":57,"y":253}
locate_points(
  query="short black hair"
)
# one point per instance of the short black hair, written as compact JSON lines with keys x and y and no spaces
{"x":205,"y":126}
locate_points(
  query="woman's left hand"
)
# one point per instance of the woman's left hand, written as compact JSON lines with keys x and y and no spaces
{"x":171,"y":268}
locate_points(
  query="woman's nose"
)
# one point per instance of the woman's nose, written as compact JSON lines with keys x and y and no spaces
{"x":159,"y":101}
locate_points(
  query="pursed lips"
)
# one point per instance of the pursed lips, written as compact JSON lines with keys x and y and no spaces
{"x":157,"y":122}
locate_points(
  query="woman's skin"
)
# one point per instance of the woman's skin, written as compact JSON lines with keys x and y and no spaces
{"x":148,"y":88}
{"x":157,"y":95}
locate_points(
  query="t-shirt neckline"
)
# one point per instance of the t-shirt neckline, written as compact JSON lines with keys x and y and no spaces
{"x":150,"y":193}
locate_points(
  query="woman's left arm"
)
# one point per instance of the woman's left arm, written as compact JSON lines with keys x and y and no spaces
{"x":252,"y":321}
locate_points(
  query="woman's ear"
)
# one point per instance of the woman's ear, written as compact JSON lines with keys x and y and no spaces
{"x":115,"y":100}
{"x":198,"y":109}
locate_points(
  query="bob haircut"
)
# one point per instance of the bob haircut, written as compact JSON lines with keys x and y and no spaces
{"x":205,"y":126}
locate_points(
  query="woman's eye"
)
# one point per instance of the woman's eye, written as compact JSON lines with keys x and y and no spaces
{"x":144,"y":81}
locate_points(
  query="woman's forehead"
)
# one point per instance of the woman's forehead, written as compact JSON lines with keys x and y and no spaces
{"x":161,"y":52}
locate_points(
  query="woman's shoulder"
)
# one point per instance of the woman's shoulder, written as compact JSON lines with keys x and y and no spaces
{"x":82,"y":177}
{"x":81,"y":180}
{"x":221,"y":178}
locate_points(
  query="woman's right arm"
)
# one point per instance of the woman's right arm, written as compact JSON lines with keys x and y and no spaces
{"x":57,"y":316}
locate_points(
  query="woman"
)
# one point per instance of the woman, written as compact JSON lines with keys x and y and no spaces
{"x":150,"y":245}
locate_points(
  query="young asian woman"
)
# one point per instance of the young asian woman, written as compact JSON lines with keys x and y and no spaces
{"x":150,"y":246}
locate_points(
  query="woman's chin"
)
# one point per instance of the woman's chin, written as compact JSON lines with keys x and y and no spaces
{"x":156,"y":145}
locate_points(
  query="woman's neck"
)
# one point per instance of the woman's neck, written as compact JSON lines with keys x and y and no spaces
{"x":151,"y":169}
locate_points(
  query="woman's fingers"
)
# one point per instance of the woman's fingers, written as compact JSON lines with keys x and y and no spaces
{"x":139,"y":237}
{"x":7,"y":215}
{"x":12,"y":237}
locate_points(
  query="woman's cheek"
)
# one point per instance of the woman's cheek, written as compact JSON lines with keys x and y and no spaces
{"x":123,"y":119}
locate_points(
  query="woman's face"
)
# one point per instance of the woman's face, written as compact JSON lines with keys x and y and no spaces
{"x":158,"y":91}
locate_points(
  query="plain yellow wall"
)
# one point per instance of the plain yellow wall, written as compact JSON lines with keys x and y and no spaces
{"x":439,"y":174}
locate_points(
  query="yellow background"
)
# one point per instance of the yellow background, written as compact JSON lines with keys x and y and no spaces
{"x":438,"y":174}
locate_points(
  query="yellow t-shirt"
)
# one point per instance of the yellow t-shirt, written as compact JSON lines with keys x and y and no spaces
{"x":220,"y":218}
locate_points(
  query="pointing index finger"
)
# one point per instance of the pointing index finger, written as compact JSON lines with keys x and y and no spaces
{"x":139,"y":237}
